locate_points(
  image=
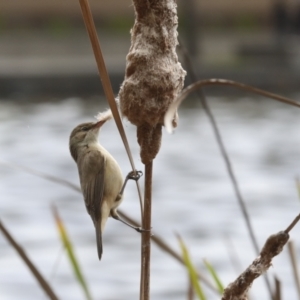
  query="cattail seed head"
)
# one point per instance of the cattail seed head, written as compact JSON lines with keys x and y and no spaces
{"x":154,"y":77}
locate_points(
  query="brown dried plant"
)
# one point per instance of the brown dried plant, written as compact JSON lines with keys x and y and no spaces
{"x":154,"y":77}
{"x":238,"y":289}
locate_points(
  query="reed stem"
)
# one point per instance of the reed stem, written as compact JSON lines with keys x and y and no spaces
{"x":43,"y":283}
{"x":146,"y":238}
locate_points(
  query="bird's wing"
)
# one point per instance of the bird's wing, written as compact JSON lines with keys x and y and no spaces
{"x":93,"y":188}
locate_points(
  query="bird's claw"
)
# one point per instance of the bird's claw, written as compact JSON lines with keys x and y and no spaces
{"x":140,"y":230}
{"x":135,"y":175}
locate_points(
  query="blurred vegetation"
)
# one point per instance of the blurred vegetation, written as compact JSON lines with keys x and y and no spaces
{"x":59,"y":26}
{"x":247,"y":22}
{"x":119,"y":25}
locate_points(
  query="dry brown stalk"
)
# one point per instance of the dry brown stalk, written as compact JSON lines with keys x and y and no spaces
{"x":277,"y":292}
{"x":146,"y":238}
{"x":220,"y":82}
{"x":43,"y":283}
{"x":91,"y":29}
{"x":190,"y":292}
{"x":238,"y":289}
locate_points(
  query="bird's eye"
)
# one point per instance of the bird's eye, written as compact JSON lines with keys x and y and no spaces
{"x":85,"y":128}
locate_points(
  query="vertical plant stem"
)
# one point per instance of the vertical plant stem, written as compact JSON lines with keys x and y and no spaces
{"x":277,"y":291}
{"x":293,"y":257}
{"x":190,"y":293}
{"x":43,"y":283}
{"x":146,"y":235}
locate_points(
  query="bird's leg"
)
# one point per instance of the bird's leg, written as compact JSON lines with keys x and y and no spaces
{"x":114,"y":214}
{"x":134,"y":175}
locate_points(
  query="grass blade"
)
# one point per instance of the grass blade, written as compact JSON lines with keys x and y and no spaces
{"x":70,"y":253}
{"x":191,"y":270}
{"x":214,"y":275}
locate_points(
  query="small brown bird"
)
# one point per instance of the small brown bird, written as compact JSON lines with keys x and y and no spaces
{"x":101,"y":178}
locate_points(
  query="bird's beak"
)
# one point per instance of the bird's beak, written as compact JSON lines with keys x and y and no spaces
{"x":98,"y":124}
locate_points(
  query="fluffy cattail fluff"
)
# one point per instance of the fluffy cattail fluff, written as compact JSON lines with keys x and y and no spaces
{"x":154,"y":77}
{"x":104,"y":116}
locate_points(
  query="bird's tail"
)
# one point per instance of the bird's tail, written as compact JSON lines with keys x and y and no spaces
{"x":99,"y":240}
{"x":99,"y":226}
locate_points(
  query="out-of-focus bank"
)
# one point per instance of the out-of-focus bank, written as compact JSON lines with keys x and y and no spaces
{"x":45,"y":50}
{"x":35,"y":63}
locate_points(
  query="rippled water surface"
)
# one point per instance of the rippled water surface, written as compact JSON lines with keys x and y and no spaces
{"x":192,"y":196}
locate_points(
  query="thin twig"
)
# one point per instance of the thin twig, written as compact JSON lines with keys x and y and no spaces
{"x":39,"y":174}
{"x":292,"y":225}
{"x":146,"y":235}
{"x":238,"y":85}
{"x":219,"y":82}
{"x":91,"y":29}
{"x":43,"y":283}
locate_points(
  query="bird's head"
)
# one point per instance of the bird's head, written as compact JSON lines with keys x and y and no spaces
{"x":84,"y":134}
{"x":87,"y":133}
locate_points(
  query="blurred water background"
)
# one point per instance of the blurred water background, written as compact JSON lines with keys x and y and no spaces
{"x":192,"y":196}
{"x":49,"y":84}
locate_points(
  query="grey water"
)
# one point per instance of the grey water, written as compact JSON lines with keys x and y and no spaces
{"x":192,"y":196}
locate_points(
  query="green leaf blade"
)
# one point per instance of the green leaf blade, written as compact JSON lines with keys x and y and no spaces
{"x":191,"y":270}
{"x":71,"y":254}
{"x":215,"y":276}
